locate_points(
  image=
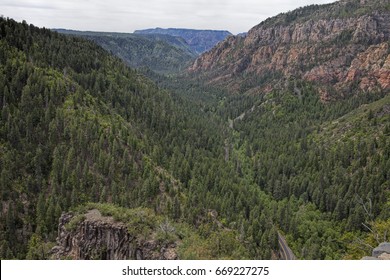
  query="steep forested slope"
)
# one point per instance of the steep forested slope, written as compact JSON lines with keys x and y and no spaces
{"x":78,"y":126}
{"x":227,"y":171}
{"x":305,"y":95}
{"x":158,"y":52}
{"x":199,"y":40}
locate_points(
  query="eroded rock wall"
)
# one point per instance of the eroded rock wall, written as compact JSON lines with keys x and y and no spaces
{"x":334,"y":51}
{"x":98,"y":237}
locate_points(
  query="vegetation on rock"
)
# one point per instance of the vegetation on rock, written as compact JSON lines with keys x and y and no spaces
{"x":226,"y":171}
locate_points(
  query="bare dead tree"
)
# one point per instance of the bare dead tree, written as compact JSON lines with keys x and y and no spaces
{"x":369,"y":220}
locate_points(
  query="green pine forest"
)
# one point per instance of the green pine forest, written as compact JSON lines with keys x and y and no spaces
{"x":158,"y":52}
{"x":79,"y":128}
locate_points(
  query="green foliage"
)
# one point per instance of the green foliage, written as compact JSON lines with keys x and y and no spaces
{"x":199,"y":41}
{"x":144,"y":224}
{"x":160,"y":53}
{"x":140,"y":221}
{"x":361,"y":244}
{"x":74,"y":222}
{"x":77,"y":126}
{"x":38,"y":249}
{"x":220,"y":244}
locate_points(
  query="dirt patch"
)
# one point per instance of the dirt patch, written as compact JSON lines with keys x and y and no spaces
{"x":94,"y":215}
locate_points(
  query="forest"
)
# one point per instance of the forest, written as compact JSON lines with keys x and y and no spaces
{"x":78,"y":126}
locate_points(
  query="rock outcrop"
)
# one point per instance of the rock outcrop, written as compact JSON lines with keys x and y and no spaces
{"x":318,"y":44}
{"x":382,"y":252}
{"x":93,"y":236}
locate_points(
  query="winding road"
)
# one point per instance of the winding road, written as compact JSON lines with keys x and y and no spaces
{"x":285,"y":251}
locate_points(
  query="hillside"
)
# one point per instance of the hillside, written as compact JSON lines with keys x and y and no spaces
{"x":200,"y":169}
{"x":199,"y":41}
{"x":305,"y":96}
{"x":340,"y":47}
{"x":78,"y":126}
{"x":160,"y":53}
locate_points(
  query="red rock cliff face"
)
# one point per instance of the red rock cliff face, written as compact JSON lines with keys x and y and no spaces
{"x":338,"y":52}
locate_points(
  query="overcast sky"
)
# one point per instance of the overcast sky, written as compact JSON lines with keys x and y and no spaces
{"x":127,"y":16}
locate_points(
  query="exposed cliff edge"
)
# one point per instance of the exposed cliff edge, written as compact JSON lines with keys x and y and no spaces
{"x":93,"y":236}
{"x":108,"y":232}
{"x":343,"y":45}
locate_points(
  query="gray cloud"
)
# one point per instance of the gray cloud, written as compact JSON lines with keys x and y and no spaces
{"x":126,"y":16}
{"x":28,"y":5}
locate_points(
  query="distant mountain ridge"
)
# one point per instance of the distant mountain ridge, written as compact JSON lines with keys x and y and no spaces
{"x":199,"y":41}
{"x":158,"y":52}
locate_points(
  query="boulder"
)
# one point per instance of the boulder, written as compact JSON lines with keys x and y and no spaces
{"x":381,"y":249}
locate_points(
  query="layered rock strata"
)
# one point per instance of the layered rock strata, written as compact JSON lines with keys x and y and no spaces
{"x":345,"y":53}
{"x":97,"y":237}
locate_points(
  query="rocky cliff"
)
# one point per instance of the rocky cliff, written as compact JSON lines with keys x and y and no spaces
{"x":344,"y":45}
{"x":93,"y":236}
